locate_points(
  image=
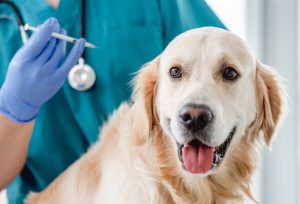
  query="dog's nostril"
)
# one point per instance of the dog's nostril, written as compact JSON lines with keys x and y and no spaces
{"x":195,"y":117}
{"x":186,"y":118}
{"x":206,"y":116}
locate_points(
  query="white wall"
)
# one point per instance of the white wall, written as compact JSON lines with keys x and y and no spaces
{"x":232,"y":13}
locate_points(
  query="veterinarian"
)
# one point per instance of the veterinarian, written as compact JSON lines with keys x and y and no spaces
{"x":46,"y":124}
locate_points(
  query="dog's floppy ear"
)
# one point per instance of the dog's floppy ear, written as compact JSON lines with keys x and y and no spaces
{"x":144,"y":112}
{"x":270,"y":101}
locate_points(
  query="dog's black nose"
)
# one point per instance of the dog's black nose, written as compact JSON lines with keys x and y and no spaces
{"x":195,"y":117}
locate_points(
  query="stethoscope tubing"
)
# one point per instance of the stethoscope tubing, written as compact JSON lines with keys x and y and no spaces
{"x":16,"y":10}
{"x":20,"y":20}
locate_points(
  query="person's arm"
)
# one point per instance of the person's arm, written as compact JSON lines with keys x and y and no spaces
{"x":35,"y":74}
{"x":14,"y":140}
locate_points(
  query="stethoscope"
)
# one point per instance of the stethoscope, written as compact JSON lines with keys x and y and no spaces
{"x":81,"y":77}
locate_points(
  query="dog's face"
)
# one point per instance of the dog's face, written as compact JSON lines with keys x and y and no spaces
{"x":206,"y":96}
{"x":211,"y":98}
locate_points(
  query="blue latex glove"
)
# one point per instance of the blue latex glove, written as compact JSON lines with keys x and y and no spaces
{"x":36,"y":72}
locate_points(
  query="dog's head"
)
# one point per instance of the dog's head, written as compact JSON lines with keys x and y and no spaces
{"x":205,"y":91}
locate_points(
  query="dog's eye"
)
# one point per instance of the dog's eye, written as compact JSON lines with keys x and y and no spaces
{"x":230,"y":74}
{"x":175,"y":72}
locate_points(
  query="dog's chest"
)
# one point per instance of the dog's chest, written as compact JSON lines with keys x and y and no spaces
{"x":126,"y":182}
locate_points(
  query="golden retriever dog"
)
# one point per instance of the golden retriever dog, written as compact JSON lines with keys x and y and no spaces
{"x":201,"y":112}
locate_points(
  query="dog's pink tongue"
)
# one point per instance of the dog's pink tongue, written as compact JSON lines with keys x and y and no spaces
{"x":197,"y":159}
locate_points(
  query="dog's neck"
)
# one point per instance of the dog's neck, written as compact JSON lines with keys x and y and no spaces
{"x":226,"y":184}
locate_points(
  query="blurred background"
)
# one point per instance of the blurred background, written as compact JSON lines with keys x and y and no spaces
{"x":271,"y":28}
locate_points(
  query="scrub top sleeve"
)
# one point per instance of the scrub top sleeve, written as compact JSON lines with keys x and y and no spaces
{"x":181,"y":15}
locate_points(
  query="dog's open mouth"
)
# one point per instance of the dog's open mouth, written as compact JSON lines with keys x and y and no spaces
{"x":198,"y":157}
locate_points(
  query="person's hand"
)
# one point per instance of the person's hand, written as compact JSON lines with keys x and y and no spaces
{"x":37,"y":72}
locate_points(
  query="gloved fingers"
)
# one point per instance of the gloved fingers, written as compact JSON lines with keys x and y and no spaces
{"x":58,"y":53}
{"x":47,"y":53}
{"x":71,"y":60}
{"x":36,"y":44}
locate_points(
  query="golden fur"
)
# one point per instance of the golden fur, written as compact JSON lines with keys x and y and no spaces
{"x":135,"y":158}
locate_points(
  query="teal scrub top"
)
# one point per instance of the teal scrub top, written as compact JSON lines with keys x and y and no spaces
{"x":128,"y":34}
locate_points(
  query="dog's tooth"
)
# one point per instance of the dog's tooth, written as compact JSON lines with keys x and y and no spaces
{"x":214,"y":159}
{"x":218,"y":158}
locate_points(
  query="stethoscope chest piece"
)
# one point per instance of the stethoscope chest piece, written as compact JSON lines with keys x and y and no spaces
{"x":82,"y":76}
